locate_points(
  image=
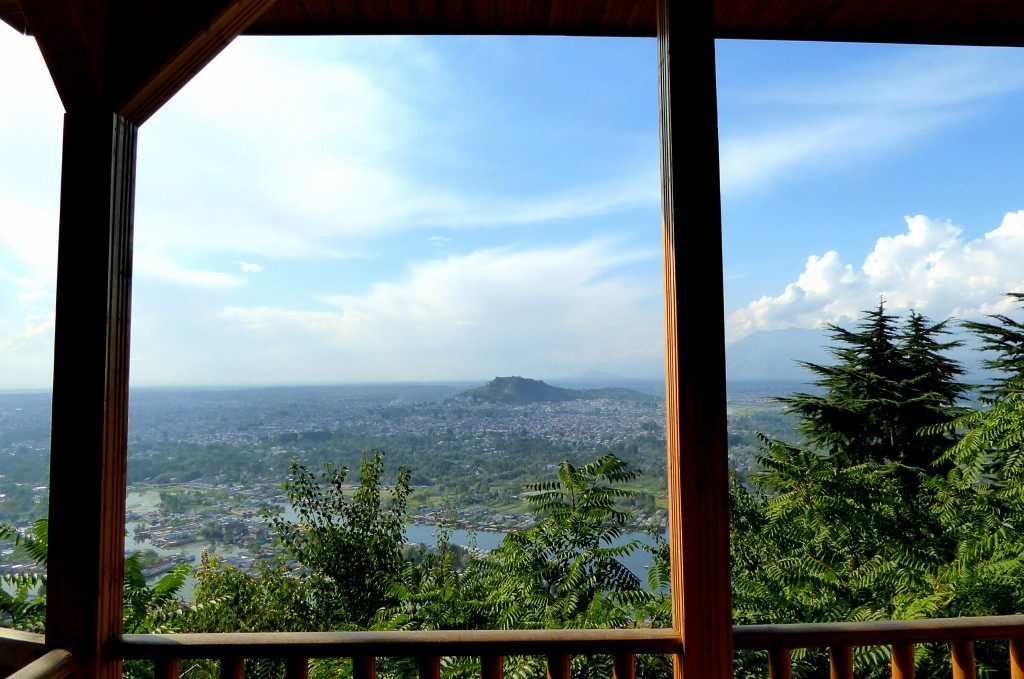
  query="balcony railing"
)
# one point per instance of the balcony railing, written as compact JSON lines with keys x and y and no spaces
{"x":491,"y":647}
{"x":901,"y":635}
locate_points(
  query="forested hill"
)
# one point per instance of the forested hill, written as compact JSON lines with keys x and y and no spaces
{"x":522,"y":390}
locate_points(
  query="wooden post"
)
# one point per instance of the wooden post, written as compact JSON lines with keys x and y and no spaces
{"x":624,"y":667}
{"x":296,"y":668}
{"x":492,"y":667}
{"x":780,"y":663}
{"x":903,"y":661}
{"x":364,"y":667}
{"x":232,"y":668}
{"x":1016,"y":658}
{"x":694,"y":322}
{"x":962,"y":653}
{"x":430,"y":667}
{"x":840,"y":662}
{"x":165,"y":668}
{"x":88,"y":445}
{"x":559,"y":666}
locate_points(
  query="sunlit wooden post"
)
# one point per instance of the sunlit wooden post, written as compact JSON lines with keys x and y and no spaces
{"x":840,"y":662}
{"x":624,"y":666}
{"x":694,"y":325}
{"x":903,"y":661}
{"x":962,"y":653}
{"x":1016,"y":658}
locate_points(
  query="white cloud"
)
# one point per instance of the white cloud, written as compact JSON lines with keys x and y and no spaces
{"x":249,"y":267}
{"x":546,"y":311}
{"x":26,"y":352}
{"x":881,"y":105}
{"x":149,"y":262}
{"x":930,"y":268}
{"x":320,"y":145}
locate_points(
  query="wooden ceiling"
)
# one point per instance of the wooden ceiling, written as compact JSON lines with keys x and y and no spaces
{"x":968,"y":22}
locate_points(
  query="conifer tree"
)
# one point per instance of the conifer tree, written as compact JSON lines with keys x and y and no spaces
{"x":890,"y":379}
{"x":1005,"y":338}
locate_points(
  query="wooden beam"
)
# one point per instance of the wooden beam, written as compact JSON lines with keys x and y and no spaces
{"x":694,"y":324}
{"x":71,"y":35}
{"x":132,"y":57}
{"x":163,"y":45}
{"x":88,"y":444}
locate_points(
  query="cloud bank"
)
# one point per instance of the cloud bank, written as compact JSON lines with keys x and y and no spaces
{"x":556,"y":311}
{"x":930,"y":267}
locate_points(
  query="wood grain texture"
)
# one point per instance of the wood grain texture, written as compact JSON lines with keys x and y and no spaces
{"x":695,"y":343}
{"x":780,"y":663}
{"x":840,"y":662}
{"x":1017,"y":658}
{"x":55,"y":664}
{"x":430,"y":667}
{"x":71,"y":35}
{"x":161,"y":52}
{"x":624,"y":666}
{"x":902,"y":661}
{"x":393,"y":644}
{"x":879,"y":632}
{"x":559,"y":666}
{"x":88,"y":443}
{"x":18,"y":649}
{"x":962,"y":657}
{"x":165,"y":668}
{"x":992,"y":22}
{"x":364,"y":667}
{"x":492,"y":667}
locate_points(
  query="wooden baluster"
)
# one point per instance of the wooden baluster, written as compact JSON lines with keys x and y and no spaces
{"x":232,"y":668}
{"x":558,"y":666}
{"x":625,"y":666}
{"x":841,"y":662}
{"x":296,"y":668}
{"x":165,"y":669}
{"x":364,"y":667}
{"x":492,"y":667}
{"x":963,"y":660}
{"x":903,"y":661}
{"x":430,"y":667}
{"x":1016,"y":658}
{"x":780,"y":665}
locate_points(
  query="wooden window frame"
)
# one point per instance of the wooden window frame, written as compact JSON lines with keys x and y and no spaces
{"x":107,"y":100}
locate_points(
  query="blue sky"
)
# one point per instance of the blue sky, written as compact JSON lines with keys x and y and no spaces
{"x":329,"y":210}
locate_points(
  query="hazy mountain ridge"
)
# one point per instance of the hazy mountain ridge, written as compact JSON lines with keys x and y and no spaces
{"x":522,"y":390}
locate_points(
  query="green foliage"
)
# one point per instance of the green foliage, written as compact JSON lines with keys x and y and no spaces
{"x":558,"y":573}
{"x":147,"y":608}
{"x":890,"y":380}
{"x":23,"y":595}
{"x":351,"y":542}
{"x":818,"y":538}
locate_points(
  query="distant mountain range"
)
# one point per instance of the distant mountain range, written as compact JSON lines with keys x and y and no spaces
{"x":776,"y":355}
{"x":523,"y":390}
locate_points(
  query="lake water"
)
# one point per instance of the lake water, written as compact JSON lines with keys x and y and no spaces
{"x":639,"y":562}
